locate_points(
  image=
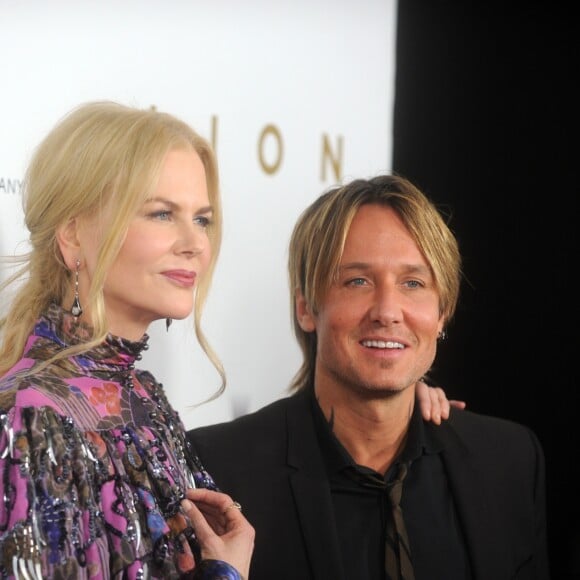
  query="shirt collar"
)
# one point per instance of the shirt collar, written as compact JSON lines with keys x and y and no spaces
{"x":419,"y":440}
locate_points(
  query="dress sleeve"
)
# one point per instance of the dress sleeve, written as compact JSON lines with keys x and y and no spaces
{"x":215,"y":570}
{"x":80,"y":504}
{"x":49,"y":518}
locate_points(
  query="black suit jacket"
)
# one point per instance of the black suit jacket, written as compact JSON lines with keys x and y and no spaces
{"x":270,"y":462}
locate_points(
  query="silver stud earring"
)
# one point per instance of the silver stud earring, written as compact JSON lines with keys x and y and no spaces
{"x":76,"y":308}
{"x":442,"y":336}
{"x":168,"y":322}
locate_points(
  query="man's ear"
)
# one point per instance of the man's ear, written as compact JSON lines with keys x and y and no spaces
{"x":441,"y":325}
{"x":68,"y":242}
{"x":306,"y":319}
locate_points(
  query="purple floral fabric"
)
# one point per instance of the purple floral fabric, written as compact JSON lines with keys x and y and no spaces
{"x":94,"y":463}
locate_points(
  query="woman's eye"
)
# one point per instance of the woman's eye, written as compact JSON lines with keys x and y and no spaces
{"x":413,"y":284}
{"x":202,"y":221}
{"x":163,"y":214}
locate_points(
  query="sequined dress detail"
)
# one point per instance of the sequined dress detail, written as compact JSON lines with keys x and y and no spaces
{"x":94,"y":463}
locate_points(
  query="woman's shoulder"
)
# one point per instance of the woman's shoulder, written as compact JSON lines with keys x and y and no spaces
{"x":20,"y":388}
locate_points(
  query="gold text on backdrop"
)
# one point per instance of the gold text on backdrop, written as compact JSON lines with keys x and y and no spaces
{"x":271,"y":137}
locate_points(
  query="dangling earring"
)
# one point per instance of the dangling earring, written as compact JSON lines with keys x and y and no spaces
{"x":168,"y":322}
{"x":442,"y":336}
{"x":76,"y":308}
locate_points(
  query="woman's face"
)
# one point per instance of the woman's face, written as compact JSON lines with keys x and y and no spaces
{"x":165,"y":252}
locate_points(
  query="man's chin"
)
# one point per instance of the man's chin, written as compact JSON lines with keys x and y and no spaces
{"x":373,"y":392}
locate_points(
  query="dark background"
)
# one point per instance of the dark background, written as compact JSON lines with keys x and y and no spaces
{"x":485,"y":123}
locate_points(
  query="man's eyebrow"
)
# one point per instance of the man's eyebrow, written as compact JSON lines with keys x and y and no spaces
{"x":408,"y":268}
{"x":354,"y":266}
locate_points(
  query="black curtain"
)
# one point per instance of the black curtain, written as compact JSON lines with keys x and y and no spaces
{"x":485,"y":123}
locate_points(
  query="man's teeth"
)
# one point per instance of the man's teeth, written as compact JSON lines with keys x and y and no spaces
{"x":382,"y":344}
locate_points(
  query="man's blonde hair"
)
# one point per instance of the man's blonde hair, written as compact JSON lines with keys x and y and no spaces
{"x":318,"y":239}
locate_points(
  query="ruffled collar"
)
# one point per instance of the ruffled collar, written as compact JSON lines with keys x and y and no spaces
{"x":114,"y":353}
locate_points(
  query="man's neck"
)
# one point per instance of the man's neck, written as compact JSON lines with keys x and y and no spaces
{"x":373,"y":431}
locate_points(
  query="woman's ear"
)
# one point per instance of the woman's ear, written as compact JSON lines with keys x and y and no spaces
{"x":68,"y":242}
{"x":306,"y":319}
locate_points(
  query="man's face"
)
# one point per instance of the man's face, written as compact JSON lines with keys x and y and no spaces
{"x":377,"y":326}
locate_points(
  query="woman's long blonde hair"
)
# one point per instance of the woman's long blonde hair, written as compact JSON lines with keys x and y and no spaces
{"x":102,"y":154}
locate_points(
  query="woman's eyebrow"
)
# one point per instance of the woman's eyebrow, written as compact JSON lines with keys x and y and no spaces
{"x":173,"y":205}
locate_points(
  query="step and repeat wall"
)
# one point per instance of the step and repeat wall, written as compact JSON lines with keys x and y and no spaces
{"x":294,"y":96}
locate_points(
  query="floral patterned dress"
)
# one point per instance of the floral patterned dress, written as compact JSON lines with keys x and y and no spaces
{"x":94,"y":463}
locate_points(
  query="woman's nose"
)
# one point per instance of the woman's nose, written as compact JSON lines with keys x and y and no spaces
{"x":192,"y":239}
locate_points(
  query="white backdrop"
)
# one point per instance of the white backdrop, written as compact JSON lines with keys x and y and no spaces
{"x":266,"y":82}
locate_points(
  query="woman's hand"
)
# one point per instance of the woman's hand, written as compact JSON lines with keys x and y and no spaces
{"x":434,"y":403}
{"x":221,"y":528}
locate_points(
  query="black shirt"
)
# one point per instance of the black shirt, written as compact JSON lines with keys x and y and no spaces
{"x":434,"y":530}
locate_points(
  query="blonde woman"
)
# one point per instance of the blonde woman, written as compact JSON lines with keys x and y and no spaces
{"x":97,"y":479}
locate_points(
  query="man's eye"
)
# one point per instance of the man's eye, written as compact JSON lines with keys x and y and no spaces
{"x":357,"y":282}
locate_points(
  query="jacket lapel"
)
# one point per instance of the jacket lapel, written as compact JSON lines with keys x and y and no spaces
{"x":484,"y":534}
{"x":311,"y":491}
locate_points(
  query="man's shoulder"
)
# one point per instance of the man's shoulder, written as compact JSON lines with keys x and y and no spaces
{"x":258,"y":440}
{"x":472,"y":419}
{"x":271,"y":416}
{"x":491,"y":431}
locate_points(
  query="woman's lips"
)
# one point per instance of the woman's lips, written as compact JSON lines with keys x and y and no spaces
{"x":181,"y":277}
